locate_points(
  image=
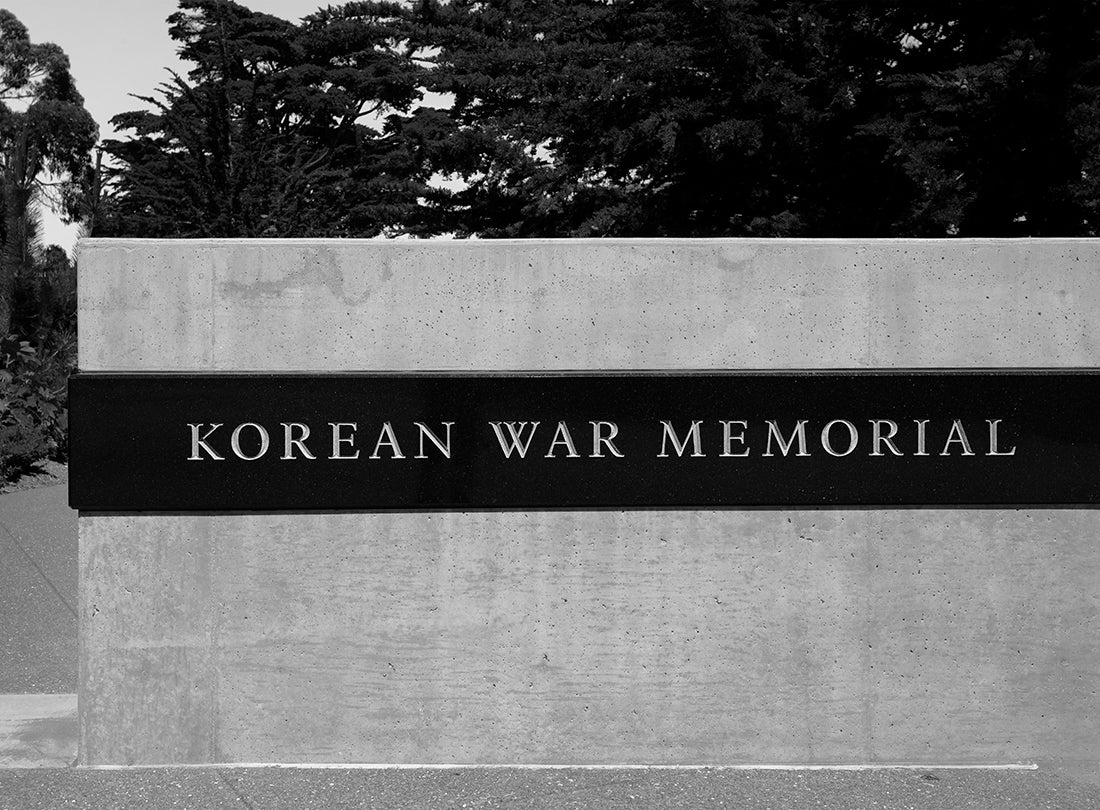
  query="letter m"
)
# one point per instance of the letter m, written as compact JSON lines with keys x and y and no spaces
{"x":681,"y":445}
{"x":785,"y":444}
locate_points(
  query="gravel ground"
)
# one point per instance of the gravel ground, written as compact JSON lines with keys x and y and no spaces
{"x":562,"y":789}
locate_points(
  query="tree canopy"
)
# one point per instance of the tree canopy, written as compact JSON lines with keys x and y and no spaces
{"x":621,"y":117}
{"x":46,"y":137}
{"x":268,"y":135}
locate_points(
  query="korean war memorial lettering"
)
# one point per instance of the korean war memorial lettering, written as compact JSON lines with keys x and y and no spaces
{"x":521,"y":436}
{"x":594,"y":440}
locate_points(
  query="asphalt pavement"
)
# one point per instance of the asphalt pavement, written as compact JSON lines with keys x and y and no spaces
{"x":38,"y":574}
{"x":553,"y":789}
{"x":38,"y":674}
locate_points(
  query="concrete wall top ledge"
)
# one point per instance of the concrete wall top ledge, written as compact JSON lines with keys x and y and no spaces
{"x":335,"y":304}
{"x":94,"y":242}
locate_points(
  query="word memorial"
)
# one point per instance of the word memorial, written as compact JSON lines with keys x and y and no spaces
{"x":557,"y":440}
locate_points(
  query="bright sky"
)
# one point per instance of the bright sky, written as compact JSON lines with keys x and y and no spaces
{"x":117,"y":47}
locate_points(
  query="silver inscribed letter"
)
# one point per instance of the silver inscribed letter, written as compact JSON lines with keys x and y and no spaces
{"x":565,"y":439}
{"x":728,"y":438}
{"x":993,"y":440}
{"x":957,"y":435}
{"x":853,"y":437}
{"x":337,"y":439}
{"x":289,"y":442}
{"x":386,"y":437}
{"x":444,"y":447}
{"x":678,"y":445}
{"x":598,"y":438}
{"x":785,"y":446}
{"x":198,"y":442}
{"x":877,"y":439}
{"x":235,"y":441}
{"x":517,"y":435}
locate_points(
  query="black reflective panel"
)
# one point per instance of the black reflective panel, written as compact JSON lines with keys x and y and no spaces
{"x":761,"y":439}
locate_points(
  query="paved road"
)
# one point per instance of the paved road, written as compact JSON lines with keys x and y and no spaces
{"x":38,"y":731}
{"x":38,"y":569}
{"x":557,"y":789}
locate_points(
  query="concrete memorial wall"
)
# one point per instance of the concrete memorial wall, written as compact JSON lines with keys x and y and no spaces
{"x":721,"y":636}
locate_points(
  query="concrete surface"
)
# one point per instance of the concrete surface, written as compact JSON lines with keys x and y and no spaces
{"x":310,"y":305}
{"x":38,"y":731}
{"x":482,"y":789}
{"x":38,"y":592}
{"x":935,"y":636}
{"x":675,"y":637}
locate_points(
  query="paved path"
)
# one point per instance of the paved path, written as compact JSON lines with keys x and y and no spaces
{"x":38,"y":638}
{"x":552,"y":789}
{"x":38,"y":569}
{"x":38,"y":731}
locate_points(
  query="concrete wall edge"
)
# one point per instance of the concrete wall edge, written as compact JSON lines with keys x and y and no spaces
{"x":113,"y":242}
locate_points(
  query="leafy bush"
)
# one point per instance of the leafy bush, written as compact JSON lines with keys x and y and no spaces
{"x":35,"y":362}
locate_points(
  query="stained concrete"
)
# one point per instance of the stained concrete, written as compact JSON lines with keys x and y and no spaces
{"x":859,"y":636}
{"x":303,"y":305}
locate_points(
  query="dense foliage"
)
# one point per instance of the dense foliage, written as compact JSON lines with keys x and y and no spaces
{"x":730,"y":118}
{"x":630,"y":118}
{"x":266,"y":136}
{"x":44,"y":130}
{"x":35,"y":361}
{"x":46,"y":137}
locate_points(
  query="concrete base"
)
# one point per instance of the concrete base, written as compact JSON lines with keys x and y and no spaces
{"x":912,"y":636}
{"x":918,"y":636}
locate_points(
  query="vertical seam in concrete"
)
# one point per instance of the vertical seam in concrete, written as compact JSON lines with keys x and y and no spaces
{"x":81,"y":646}
{"x":868,"y":313}
{"x":867,"y":651}
{"x":212,"y":361}
{"x":213,"y":642}
{"x":79,"y":251}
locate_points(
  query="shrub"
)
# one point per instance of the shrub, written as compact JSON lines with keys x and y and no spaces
{"x":34,"y":408}
{"x":35,"y":360}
